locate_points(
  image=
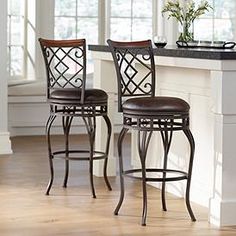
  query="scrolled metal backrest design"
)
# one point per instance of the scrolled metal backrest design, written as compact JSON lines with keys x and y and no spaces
{"x":133,"y":81}
{"x":65,"y":62}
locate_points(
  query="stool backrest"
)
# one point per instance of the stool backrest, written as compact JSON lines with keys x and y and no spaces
{"x":135,"y":69}
{"x":65,"y":62}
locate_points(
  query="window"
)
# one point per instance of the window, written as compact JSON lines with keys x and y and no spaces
{"x":130,"y":19}
{"x":86,"y":19}
{"x":77,"y":19}
{"x":125,"y":19}
{"x":135,"y":20}
{"x":97,"y":20}
{"x":16,"y":49}
{"x":21,"y":39}
{"x":219,"y":23}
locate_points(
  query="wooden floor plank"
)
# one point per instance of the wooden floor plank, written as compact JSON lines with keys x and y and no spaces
{"x":26,"y":211}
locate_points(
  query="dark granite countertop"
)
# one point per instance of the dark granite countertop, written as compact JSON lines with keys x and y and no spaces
{"x":174,"y":51}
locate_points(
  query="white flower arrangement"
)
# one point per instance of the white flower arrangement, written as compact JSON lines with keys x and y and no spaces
{"x":185,"y":12}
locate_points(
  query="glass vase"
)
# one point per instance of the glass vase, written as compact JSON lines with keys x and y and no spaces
{"x":186,"y":32}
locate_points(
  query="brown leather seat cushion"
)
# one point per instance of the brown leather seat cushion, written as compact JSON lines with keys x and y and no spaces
{"x":72,"y":96}
{"x":155,"y":105}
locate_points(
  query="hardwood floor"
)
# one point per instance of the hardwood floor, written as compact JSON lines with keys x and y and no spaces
{"x":26,"y":211}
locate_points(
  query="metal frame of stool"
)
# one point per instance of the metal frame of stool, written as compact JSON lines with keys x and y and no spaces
{"x":147,"y":123}
{"x":69,"y":109}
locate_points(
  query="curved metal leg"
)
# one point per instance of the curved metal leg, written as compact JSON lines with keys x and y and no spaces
{"x":143,"y":143}
{"x":50,"y":155}
{"x":120,"y":155}
{"x":66,"y":121}
{"x":107,"y":120}
{"x":90,"y":124}
{"x":166,"y":139}
{"x":192,"y":150}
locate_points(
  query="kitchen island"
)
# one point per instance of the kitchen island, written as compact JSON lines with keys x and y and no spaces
{"x":206,"y":79}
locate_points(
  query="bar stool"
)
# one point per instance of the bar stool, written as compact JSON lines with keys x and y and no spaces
{"x":65,"y":62}
{"x":146,"y":113}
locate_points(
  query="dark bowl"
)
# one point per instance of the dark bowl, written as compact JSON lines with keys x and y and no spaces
{"x":160,"y":44}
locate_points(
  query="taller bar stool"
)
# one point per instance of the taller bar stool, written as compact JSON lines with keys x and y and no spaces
{"x":68,"y":98}
{"x":146,"y":113}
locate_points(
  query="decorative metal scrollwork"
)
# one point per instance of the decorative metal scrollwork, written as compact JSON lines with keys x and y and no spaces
{"x":133,"y":82}
{"x":65,"y":66}
{"x":152,"y":123}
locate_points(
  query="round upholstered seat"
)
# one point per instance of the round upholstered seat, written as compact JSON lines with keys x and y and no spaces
{"x":73,"y":96}
{"x":155,"y":106}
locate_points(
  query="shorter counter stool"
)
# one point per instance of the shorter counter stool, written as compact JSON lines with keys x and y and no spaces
{"x":145,"y":112}
{"x":68,"y":98}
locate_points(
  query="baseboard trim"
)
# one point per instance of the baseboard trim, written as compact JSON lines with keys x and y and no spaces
{"x":222,"y":212}
{"x":5,"y":143}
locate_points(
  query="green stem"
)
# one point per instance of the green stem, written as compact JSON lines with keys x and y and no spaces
{"x":186,"y":34}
